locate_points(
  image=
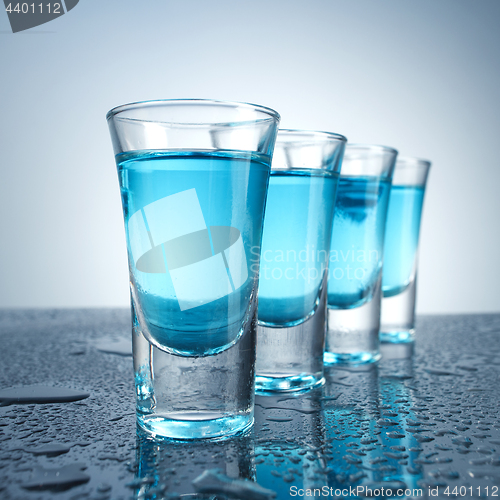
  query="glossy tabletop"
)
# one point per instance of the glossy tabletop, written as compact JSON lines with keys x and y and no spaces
{"x":423,"y":422}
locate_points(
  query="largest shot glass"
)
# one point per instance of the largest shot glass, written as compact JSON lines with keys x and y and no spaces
{"x":193,"y":176}
{"x":355,"y":273}
{"x":295,"y":248}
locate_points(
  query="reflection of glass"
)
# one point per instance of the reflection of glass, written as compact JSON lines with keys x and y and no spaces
{"x":396,"y":361}
{"x":350,"y":406}
{"x":167,"y":469}
{"x":290,"y":444}
{"x":295,"y":249}
{"x":400,"y":420}
{"x":401,"y":248}
{"x":367,"y":417}
{"x":355,"y":273}
{"x":193,"y":178}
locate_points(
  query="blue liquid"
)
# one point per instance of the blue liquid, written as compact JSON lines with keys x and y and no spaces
{"x":230,"y":189}
{"x":295,"y":245}
{"x":401,"y":239}
{"x":357,"y":241}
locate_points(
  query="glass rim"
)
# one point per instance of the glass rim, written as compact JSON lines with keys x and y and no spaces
{"x":375,"y":148}
{"x":412,"y":161}
{"x":311,"y":134}
{"x":269,"y":112}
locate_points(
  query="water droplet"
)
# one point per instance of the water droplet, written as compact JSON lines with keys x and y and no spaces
{"x":50,"y":450}
{"x":140,"y":481}
{"x":484,"y":474}
{"x":214,"y":482}
{"x":386,"y":422}
{"x":40,"y":394}
{"x":104,"y":487}
{"x":434,"y":371}
{"x":368,"y":440}
{"x":121,"y":347}
{"x":462,"y":440}
{"x":352,"y":460}
{"x":414,"y":470}
{"x":423,"y":439}
{"x":395,"y":455}
{"x":395,"y":435}
{"x":56,"y":479}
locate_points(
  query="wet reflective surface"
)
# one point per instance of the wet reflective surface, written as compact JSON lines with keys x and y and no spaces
{"x":425,"y":417}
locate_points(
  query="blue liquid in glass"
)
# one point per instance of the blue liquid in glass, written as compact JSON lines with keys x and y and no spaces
{"x":401,"y":238}
{"x":228,"y":189}
{"x":357,"y":241}
{"x":295,"y":244}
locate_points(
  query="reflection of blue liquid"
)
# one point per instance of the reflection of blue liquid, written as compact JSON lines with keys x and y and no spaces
{"x":402,"y":230}
{"x":295,"y":244}
{"x":161,"y":463}
{"x":357,"y":240}
{"x":231,"y":189}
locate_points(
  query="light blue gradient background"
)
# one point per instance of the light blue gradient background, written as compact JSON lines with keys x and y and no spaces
{"x":422,"y":76}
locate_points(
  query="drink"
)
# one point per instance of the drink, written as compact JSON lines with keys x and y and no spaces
{"x":355,"y":274}
{"x":296,"y":233}
{"x":357,"y":241}
{"x":402,"y":231}
{"x":214,"y":319}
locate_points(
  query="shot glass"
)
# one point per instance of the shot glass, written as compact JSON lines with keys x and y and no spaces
{"x":193,"y":176}
{"x":295,"y":248}
{"x":399,"y":279}
{"x":355,"y":273}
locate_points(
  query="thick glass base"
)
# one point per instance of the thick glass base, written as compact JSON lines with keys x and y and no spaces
{"x":275,"y":383}
{"x":397,"y":320}
{"x":187,"y":397}
{"x":357,"y":358}
{"x":353,"y":334}
{"x":398,"y":337}
{"x":291,"y":358}
{"x":194,"y":425}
